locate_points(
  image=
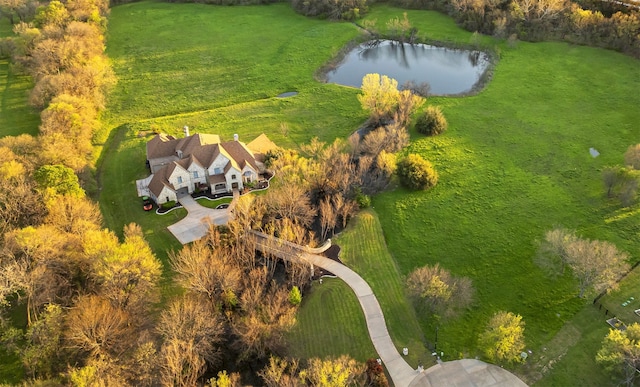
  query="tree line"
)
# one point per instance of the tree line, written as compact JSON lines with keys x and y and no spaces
{"x":606,"y":24}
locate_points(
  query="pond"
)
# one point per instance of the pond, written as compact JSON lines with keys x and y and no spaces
{"x":447,"y":71}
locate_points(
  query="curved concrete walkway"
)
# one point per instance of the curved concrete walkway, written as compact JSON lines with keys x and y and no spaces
{"x":400,"y":371}
{"x":459,"y":373}
{"x":199,"y":218}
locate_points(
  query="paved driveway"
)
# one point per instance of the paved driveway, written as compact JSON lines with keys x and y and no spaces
{"x":199,"y":218}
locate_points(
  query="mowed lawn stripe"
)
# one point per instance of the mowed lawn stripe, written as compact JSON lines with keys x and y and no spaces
{"x":16,"y":116}
{"x":364,"y":250}
{"x":330,"y":323}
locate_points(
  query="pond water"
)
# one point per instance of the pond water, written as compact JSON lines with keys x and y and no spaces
{"x":447,"y":71}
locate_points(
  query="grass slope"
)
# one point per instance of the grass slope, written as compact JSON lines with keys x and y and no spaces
{"x":330,"y":323}
{"x":219,"y":69}
{"x":515,"y":163}
{"x":364,"y":251}
{"x":16,"y":117}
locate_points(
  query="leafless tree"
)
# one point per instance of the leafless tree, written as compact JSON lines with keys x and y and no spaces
{"x":260,"y":331}
{"x":99,"y":329}
{"x":597,"y":265}
{"x":553,"y":254}
{"x":191,"y":331}
{"x":328,"y":217}
{"x":207,"y":271}
{"x":281,"y":373}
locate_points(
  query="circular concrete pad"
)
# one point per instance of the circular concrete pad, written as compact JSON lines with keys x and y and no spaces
{"x":466,"y":372}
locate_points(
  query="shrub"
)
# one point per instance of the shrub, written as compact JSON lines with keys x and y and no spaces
{"x":363,"y":200}
{"x":632,"y":156}
{"x":333,"y":10}
{"x":432,"y":121}
{"x":503,"y":340}
{"x":417,"y":173}
{"x":295,"y":297}
{"x":168,"y":205}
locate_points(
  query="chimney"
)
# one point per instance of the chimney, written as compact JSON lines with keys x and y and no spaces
{"x":235,"y":137}
{"x":186,"y":131}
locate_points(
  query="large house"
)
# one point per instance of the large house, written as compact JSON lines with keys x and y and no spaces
{"x":202,"y":161}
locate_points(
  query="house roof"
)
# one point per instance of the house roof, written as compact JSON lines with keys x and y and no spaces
{"x":201,"y":149}
{"x":163,"y":145}
{"x":240,"y":154}
{"x":261,"y":144}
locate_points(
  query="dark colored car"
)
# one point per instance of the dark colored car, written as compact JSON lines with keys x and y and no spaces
{"x":147,"y":204}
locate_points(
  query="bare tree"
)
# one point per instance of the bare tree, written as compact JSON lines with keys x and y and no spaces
{"x":632,"y":156}
{"x":291,"y":202}
{"x":99,"y":329}
{"x":441,"y":292}
{"x":208,"y":271}
{"x":597,"y":265}
{"x":552,"y":254}
{"x":192,"y":331}
{"x":260,"y":331}
{"x":328,"y":217}
{"x":281,"y":373}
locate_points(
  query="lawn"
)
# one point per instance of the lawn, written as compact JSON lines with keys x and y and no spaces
{"x":16,"y":116}
{"x":514,"y":163}
{"x":219,"y":70}
{"x":330,"y":323}
{"x":363,"y":250}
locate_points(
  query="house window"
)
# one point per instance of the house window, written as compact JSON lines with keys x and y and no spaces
{"x":233,"y":177}
{"x":195,"y":174}
{"x":179,"y":179}
{"x":217,"y":171}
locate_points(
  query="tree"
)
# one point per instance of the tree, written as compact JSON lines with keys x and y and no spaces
{"x":408,"y":102}
{"x":98,"y":329}
{"x":290,"y":202}
{"x":127,"y":273}
{"x":441,"y":292}
{"x":191,"y":331}
{"x":340,"y":372}
{"x":226,"y":380}
{"x":552,"y":254}
{"x":375,"y":374}
{"x":379,"y":97}
{"x":622,"y":183}
{"x":15,"y":183}
{"x":267,"y":316}
{"x":56,"y":180}
{"x":416,"y":172}
{"x":597,"y":265}
{"x":295,"y":297}
{"x":208,"y":272}
{"x":503,"y":339}
{"x":328,"y":217}
{"x":43,"y":342}
{"x":281,"y":373}
{"x":432,"y":122}
{"x":620,"y":353}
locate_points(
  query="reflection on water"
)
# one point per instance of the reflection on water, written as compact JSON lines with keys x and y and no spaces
{"x":446,"y":70}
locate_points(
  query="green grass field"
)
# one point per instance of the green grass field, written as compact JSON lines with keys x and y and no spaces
{"x":514,"y":163}
{"x":219,"y":69}
{"x":16,"y":117}
{"x":363,"y":250}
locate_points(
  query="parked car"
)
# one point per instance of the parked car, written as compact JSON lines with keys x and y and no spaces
{"x":147,"y":204}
